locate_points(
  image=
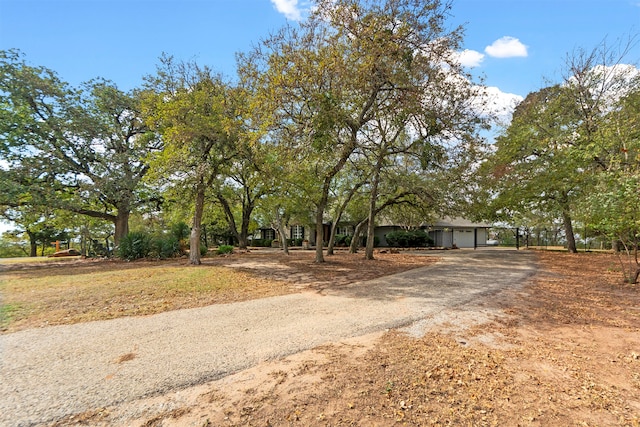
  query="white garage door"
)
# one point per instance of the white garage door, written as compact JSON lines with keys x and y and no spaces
{"x":463,"y":238}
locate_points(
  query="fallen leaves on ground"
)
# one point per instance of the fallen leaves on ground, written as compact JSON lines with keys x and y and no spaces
{"x":569,"y":355}
{"x":566,"y":351}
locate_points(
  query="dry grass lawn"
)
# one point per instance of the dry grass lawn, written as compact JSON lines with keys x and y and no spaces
{"x":51,"y":291}
{"x":64,"y":294}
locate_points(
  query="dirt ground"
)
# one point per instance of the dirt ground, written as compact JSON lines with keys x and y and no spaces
{"x":562,"y":351}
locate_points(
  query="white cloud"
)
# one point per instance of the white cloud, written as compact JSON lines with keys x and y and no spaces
{"x":470,"y":58}
{"x":501,"y":104}
{"x":506,"y":47}
{"x":610,"y":82}
{"x":289,"y":8}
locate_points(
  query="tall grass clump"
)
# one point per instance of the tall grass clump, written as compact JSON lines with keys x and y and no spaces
{"x":135,"y":245}
{"x":139,"y":244}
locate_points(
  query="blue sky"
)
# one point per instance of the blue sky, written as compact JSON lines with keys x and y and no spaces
{"x":121,"y":40}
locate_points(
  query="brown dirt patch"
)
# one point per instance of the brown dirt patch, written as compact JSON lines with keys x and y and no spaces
{"x":342,"y":268}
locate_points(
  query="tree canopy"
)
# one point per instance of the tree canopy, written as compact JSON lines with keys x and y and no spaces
{"x":76,"y":149}
{"x":360,"y":114}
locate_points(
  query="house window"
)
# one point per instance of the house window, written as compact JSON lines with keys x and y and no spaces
{"x":342,"y":230}
{"x":269,"y":233}
{"x":297,"y":232}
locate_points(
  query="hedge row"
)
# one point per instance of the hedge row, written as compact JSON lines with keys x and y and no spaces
{"x":409,"y":239}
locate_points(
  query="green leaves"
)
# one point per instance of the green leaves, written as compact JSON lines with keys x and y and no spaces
{"x":79,"y":149}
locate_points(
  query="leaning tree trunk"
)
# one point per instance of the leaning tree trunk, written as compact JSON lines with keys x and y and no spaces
{"x":630,"y":269}
{"x":228,"y":213}
{"x":355,"y":240}
{"x":332,"y":234}
{"x":341,"y":209}
{"x":194,"y":239}
{"x":634,"y":278}
{"x":326,"y":186}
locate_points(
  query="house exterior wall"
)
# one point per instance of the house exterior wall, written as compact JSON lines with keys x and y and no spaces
{"x":463,"y":238}
{"x":298,"y":232}
{"x":381,"y":232}
{"x":465,"y":235}
{"x":483,"y":234}
{"x":442,"y":238}
{"x":470,"y":237}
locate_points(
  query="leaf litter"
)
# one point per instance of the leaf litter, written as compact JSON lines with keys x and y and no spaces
{"x":565,"y":350}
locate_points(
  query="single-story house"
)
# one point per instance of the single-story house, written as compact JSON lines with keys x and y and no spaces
{"x":297,"y":232}
{"x":446,"y":232}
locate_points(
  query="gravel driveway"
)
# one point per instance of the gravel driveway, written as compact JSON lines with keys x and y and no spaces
{"x":48,"y":373}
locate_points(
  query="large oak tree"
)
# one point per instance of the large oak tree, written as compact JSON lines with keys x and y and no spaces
{"x":77,"y":149}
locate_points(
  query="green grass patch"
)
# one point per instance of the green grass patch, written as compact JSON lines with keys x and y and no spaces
{"x":7,"y":313}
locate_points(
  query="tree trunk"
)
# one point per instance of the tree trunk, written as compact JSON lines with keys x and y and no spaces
{"x":319,"y":234}
{"x":194,"y":239}
{"x":247,"y":209}
{"x":355,"y":240}
{"x":341,"y":210}
{"x":568,"y":230}
{"x":33,"y":245}
{"x":332,"y":235}
{"x":326,"y":186}
{"x":368,"y":254}
{"x":121,"y":223}
{"x":634,"y":278}
{"x":204,"y":235}
{"x":282,"y":232}
{"x":229,"y":216}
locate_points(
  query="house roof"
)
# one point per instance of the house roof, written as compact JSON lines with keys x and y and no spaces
{"x":445,"y":222}
{"x":458,"y":223}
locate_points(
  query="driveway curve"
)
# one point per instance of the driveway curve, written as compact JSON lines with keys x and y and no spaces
{"x":49,"y":373}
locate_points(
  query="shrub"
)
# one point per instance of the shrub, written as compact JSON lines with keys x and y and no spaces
{"x":405,"y":239}
{"x":294,"y":242}
{"x":134,"y":245}
{"x":225,"y":249}
{"x":165,"y":247}
{"x":341,"y":240}
{"x":261,"y":243}
{"x":203,"y":249}
{"x":180,"y":231}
